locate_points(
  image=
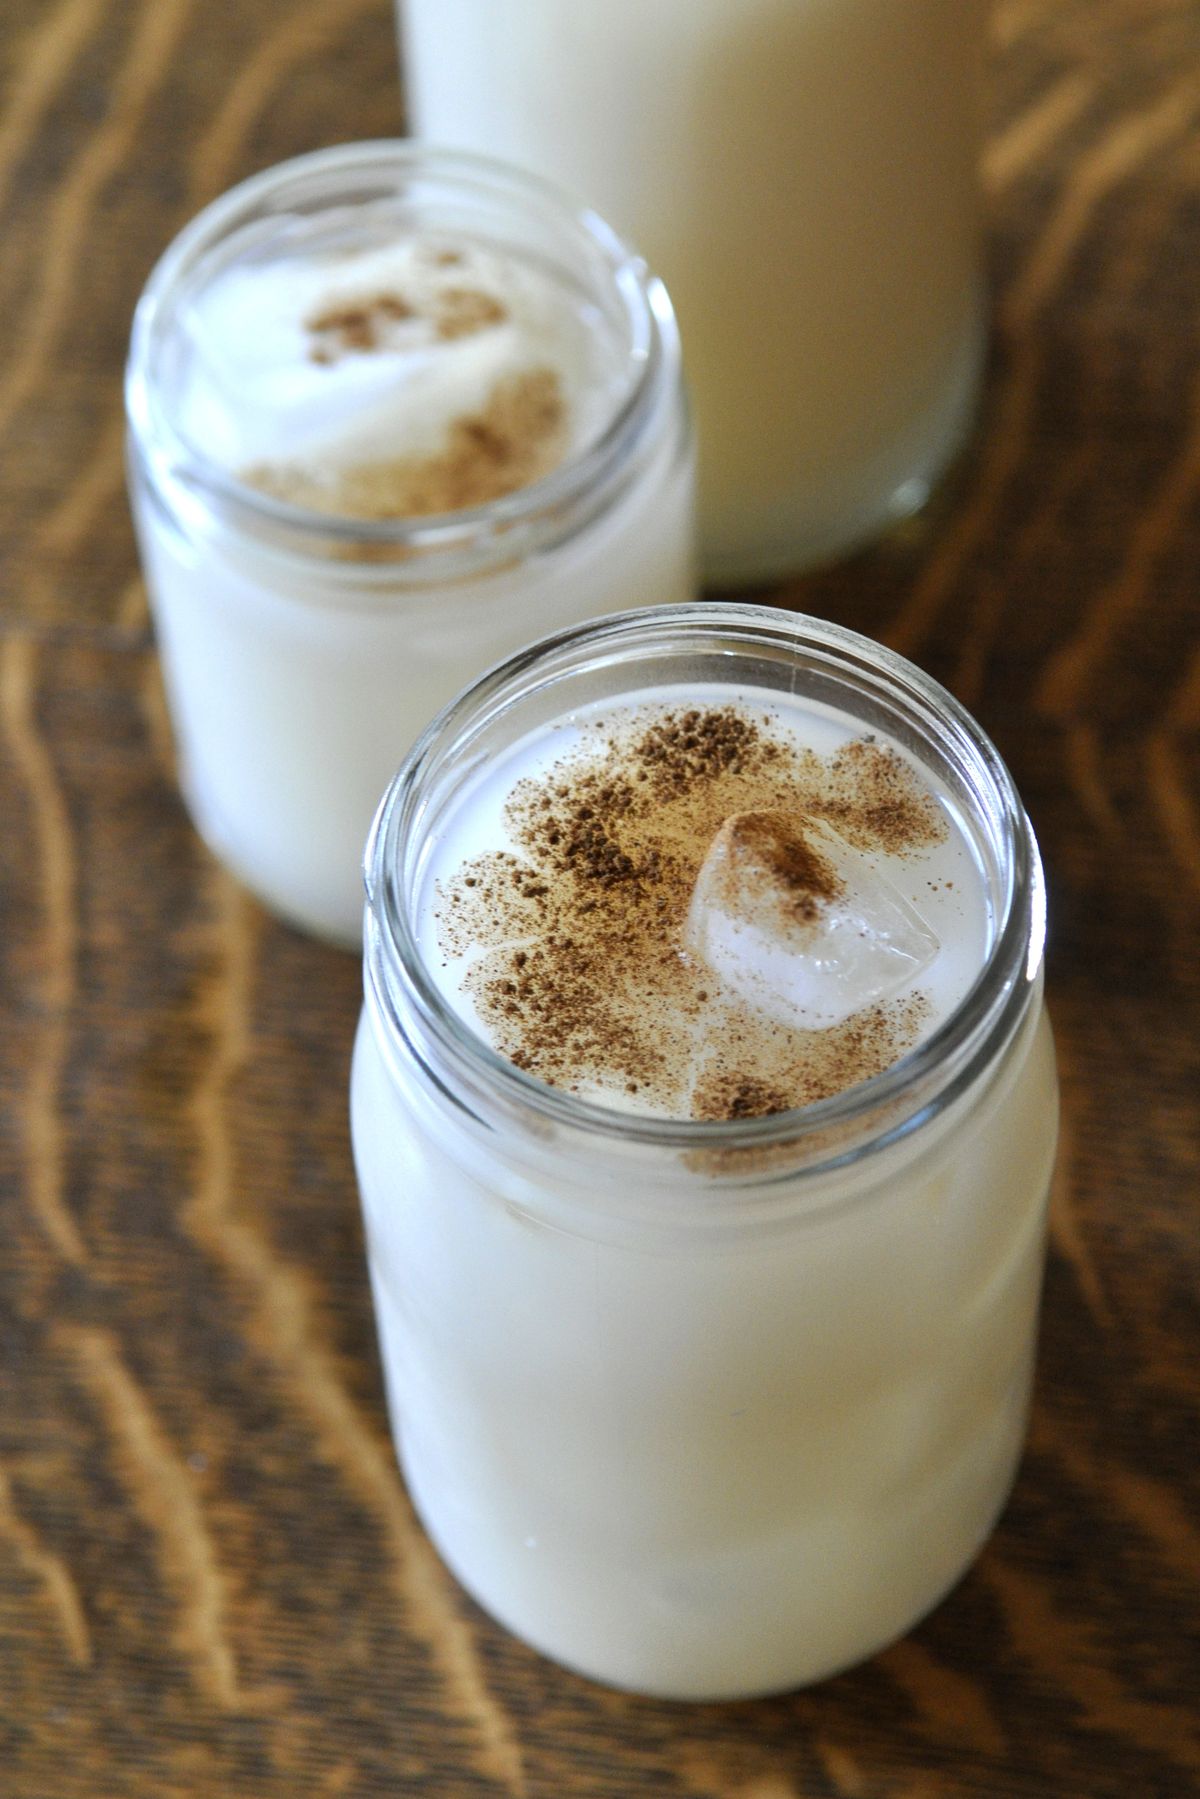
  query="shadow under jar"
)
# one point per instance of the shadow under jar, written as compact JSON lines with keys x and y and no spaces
{"x":393,"y":412}
{"x":708,"y":1327}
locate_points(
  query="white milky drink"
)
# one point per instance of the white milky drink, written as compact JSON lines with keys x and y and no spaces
{"x":393,"y":413}
{"x":803,"y":175}
{"x":704,"y":1110}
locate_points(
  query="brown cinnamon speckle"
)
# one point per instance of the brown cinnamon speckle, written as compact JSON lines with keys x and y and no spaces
{"x":584,"y":981}
{"x":516,"y":438}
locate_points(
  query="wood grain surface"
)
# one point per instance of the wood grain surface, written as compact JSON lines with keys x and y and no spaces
{"x":210,"y":1578}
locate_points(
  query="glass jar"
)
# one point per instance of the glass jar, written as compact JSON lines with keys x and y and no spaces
{"x":303,"y":650}
{"x":804,"y":178}
{"x":706,"y":1410}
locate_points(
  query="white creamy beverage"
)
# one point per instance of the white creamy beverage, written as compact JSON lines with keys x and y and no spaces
{"x":755,"y":897}
{"x":343,"y":376}
{"x":704,"y":1112}
{"x":803,"y":175}
{"x":392,"y":415}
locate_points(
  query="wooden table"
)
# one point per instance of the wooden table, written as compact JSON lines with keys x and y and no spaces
{"x":210,"y":1579}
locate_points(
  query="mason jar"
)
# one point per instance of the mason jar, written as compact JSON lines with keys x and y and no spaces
{"x":705,"y":1409}
{"x":320,"y":346}
{"x":805,"y":179}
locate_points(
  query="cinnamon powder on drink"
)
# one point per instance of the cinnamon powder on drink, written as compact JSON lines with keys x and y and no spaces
{"x":518,"y":436}
{"x":584,"y":980}
{"x":515,"y":438}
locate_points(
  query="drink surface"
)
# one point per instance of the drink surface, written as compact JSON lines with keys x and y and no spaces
{"x":362,"y":368}
{"x":704,"y":903}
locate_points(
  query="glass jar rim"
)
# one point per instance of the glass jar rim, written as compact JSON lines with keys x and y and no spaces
{"x":913,"y":1090}
{"x":646,"y":310}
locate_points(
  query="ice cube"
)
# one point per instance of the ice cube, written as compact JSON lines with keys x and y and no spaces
{"x":799,"y":924}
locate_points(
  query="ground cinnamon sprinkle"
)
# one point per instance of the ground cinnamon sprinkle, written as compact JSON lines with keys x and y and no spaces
{"x":515,"y":439}
{"x":461,"y":311}
{"x":584,"y":981}
{"x":771,"y":845}
{"x":517,"y":436}
{"x":357,"y":327}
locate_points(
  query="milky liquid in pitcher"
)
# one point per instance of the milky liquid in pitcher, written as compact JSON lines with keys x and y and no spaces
{"x":804,"y":177}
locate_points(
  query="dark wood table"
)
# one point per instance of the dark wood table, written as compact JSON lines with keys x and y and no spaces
{"x":210,"y":1578}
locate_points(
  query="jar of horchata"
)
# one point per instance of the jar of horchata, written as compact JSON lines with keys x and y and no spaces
{"x":393,"y":413}
{"x":704,"y":1110}
{"x":804,"y":178}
